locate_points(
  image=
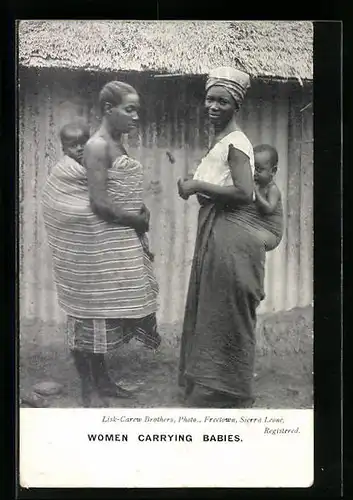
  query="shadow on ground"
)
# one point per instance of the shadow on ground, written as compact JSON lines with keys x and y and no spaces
{"x":283,"y":369}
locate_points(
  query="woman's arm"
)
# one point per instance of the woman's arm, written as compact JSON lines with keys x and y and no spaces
{"x":240,"y":192}
{"x":267,"y":206}
{"x":202,"y":200}
{"x":240,"y":168}
{"x":224,"y":194}
{"x":97,"y":162}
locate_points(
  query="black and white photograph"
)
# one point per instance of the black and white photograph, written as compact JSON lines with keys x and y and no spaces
{"x":165,"y":215}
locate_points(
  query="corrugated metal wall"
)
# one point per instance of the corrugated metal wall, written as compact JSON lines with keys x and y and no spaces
{"x":172,"y":119}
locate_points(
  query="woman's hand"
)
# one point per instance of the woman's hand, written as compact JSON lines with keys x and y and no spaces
{"x":180,"y":190}
{"x":142,"y":221}
{"x":186,"y":188}
{"x":144,"y":211}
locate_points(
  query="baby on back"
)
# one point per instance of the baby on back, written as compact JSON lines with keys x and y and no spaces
{"x":266,"y":190}
{"x":263,"y":217}
{"x":267,"y":195}
{"x":73,"y":137}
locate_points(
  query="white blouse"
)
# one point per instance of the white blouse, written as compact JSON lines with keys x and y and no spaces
{"x":214,"y":167}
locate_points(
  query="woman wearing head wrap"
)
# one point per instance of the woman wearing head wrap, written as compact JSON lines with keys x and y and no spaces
{"x":96,"y":223}
{"x":226,"y":281}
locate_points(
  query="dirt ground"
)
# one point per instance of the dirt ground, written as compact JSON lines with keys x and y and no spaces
{"x":283,"y":368}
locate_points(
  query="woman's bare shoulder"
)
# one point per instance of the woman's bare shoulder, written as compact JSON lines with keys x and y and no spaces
{"x":97,"y":144}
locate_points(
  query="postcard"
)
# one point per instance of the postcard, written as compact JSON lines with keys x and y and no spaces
{"x":166,"y":266}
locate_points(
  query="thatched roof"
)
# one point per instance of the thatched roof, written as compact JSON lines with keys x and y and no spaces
{"x":265,"y":49}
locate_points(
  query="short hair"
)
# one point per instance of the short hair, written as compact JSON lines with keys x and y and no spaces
{"x":273,"y":152}
{"x":74,"y":129}
{"x":113,"y":92}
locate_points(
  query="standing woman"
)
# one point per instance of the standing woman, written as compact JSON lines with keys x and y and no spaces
{"x":227,"y":275}
{"x":96,"y":223}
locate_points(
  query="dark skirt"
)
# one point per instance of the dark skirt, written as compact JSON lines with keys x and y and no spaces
{"x":226,"y":286}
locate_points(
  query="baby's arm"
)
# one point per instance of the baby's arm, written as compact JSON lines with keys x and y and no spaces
{"x":267,"y":206}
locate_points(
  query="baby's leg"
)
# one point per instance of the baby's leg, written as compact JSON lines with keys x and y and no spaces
{"x":269,"y":240}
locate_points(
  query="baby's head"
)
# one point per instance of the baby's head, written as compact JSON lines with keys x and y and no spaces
{"x":74,"y":136}
{"x":266,"y":160}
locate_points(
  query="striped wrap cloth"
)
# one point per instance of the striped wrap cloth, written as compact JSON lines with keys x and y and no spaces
{"x":100,"y":268}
